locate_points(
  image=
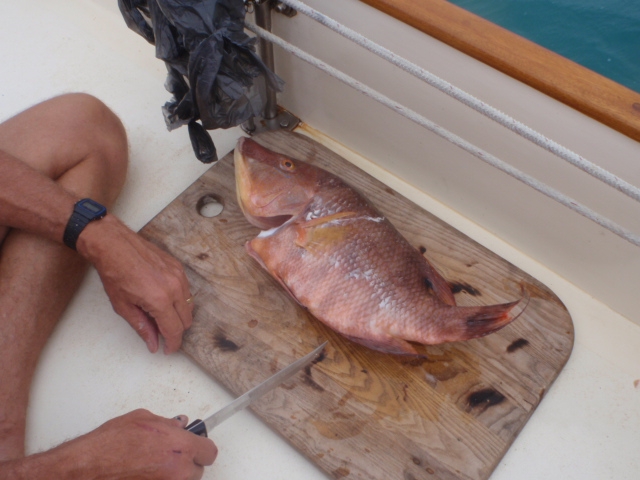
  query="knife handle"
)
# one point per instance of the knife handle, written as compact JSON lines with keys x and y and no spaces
{"x":197,"y":427}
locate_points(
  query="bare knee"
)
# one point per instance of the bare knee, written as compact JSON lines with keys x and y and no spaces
{"x":103,"y":136}
{"x":74,"y":139}
{"x":94,"y":121}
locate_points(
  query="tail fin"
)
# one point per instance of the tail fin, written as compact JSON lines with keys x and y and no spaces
{"x":474,"y":322}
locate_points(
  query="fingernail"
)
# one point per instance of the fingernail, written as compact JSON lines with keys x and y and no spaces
{"x":178,"y":417}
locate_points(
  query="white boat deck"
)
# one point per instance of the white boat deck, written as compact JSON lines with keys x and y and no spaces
{"x":95,"y":367}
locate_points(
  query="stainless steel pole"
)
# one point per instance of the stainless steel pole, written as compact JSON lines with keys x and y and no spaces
{"x":265,"y":48}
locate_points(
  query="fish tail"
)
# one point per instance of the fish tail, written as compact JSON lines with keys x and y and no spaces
{"x":476,"y":322}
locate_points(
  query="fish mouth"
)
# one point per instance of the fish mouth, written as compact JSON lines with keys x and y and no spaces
{"x":267,"y":223}
{"x":264,"y":222}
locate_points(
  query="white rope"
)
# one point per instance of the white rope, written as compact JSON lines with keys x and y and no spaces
{"x":453,"y":138}
{"x":471,"y":101}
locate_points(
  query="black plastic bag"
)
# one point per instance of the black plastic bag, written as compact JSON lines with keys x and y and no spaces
{"x":213,"y":69}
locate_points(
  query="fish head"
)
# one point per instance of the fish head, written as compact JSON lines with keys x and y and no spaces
{"x":271,"y":187}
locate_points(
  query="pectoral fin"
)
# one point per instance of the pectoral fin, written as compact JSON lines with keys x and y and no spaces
{"x":323,"y":231}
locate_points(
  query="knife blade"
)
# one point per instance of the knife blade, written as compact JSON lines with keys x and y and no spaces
{"x":202,"y":427}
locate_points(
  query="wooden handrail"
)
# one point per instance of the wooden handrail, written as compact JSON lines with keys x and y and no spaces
{"x":554,"y":75}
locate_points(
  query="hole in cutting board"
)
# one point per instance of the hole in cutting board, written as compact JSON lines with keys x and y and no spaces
{"x":210,"y":206}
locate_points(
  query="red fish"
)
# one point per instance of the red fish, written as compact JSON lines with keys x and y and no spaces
{"x":339,"y":257}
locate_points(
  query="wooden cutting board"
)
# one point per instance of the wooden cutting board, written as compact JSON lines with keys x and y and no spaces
{"x":359,"y":413}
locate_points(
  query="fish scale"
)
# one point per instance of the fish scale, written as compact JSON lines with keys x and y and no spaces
{"x":339,"y":257}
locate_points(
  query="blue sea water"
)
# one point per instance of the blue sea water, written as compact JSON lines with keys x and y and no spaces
{"x":602,"y":35}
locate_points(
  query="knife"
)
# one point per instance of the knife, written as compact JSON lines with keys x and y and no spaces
{"x":201,"y":427}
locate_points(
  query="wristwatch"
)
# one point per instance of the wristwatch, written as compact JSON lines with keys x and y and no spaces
{"x":84,"y":211}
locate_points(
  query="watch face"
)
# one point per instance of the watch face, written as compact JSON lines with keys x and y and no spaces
{"x":91,"y":206}
{"x":91,"y":209}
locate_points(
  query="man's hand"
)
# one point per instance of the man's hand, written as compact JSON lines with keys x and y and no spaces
{"x":137,"y":445}
{"x":146,"y":286}
{"x":143,"y":445}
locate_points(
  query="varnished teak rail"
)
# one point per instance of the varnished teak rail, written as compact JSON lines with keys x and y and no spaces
{"x":554,"y":75}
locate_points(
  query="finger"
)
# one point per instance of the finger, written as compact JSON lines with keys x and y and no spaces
{"x":206,"y":452}
{"x":185,"y":311}
{"x":198,"y":472}
{"x":177,"y":281}
{"x":171,"y":329}
{"x":143,"y":324}
{"x":185,"y":308}
{"x":180,"y":421}
{"x":173,"y":321}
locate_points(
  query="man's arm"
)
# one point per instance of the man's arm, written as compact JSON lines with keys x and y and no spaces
{"x":31,"y":201}
{"x":145,"y":285}
{"x":136,"y":445}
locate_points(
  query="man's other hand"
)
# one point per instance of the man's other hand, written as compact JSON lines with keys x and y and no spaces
{"x":146,"y":286}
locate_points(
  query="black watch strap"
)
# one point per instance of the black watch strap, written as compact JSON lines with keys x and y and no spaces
{"x":84,"y":211}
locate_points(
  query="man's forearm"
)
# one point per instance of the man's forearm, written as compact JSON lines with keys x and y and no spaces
{"x":31,"y":201}
{"x":58,"y":463}
{"x":137,"y":445}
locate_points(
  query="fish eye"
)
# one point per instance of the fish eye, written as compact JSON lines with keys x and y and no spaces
{"x":287,"y":164}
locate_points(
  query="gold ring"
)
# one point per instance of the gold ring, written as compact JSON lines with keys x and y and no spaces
{"x":190,"y":299}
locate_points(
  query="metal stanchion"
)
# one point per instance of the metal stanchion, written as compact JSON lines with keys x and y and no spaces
{"x":273,"y":118}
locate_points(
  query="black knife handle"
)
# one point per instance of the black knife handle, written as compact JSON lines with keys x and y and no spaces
{"x":197,"y":427}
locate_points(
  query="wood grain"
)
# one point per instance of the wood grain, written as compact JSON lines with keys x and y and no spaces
{"x":554,"y":75}
{"x":359,"y":413}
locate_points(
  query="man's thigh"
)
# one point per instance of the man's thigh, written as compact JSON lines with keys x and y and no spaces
{"x":54,"y":135}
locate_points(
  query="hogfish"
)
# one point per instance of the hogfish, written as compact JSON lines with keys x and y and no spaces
{"x":338,"y":256}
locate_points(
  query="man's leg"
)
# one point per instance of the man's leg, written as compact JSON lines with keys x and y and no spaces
{"x":79,"y":143}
